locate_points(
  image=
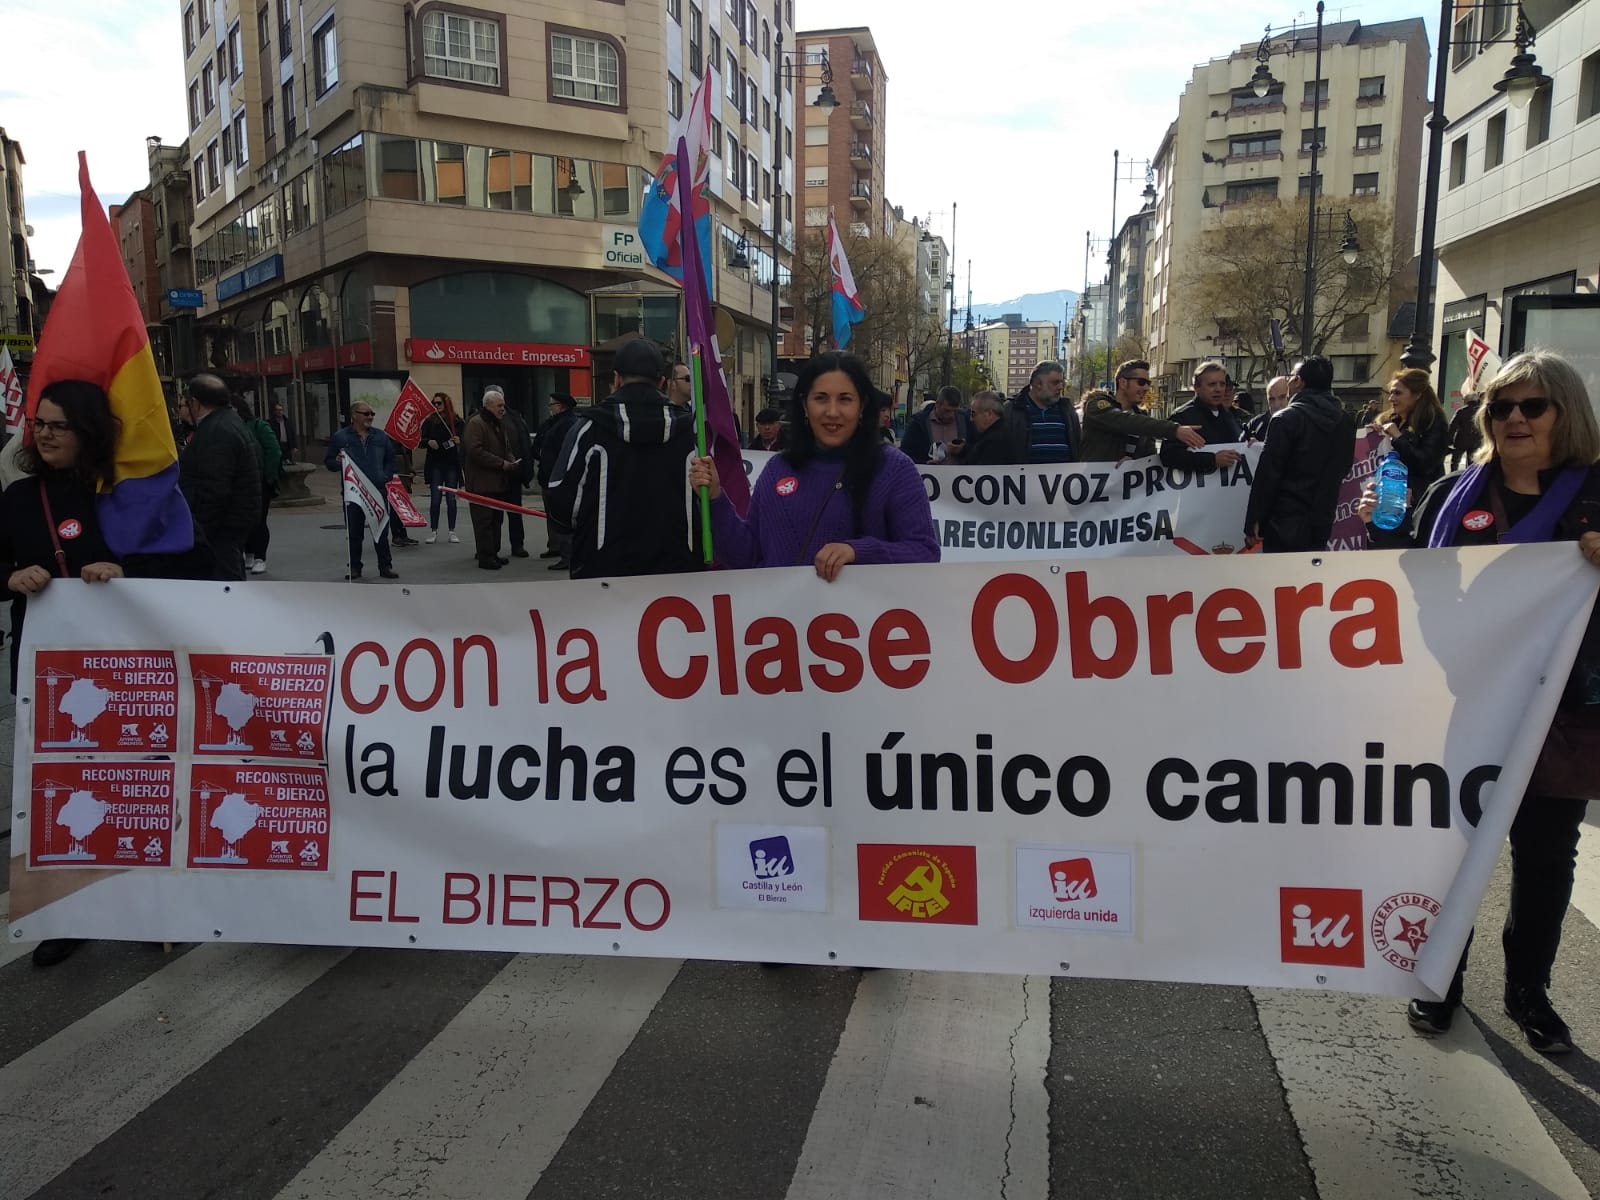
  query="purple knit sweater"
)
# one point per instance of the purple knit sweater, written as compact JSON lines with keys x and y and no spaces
{"x":897,"y":523}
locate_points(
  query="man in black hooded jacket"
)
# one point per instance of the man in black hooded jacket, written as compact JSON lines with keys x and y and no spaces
{"x":621,"y":482}
{"x":1296,"y":488}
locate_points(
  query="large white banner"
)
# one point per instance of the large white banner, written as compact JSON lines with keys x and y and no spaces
{"x":1290,"y":770}
{"x":1080,"y":510}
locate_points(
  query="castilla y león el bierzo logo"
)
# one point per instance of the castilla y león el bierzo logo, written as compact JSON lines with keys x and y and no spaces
{"x":929,"y":885}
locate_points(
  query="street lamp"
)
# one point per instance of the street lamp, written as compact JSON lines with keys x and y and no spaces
{"x":826,"y":101}
{"x":1261,"y":83}
{"x":1113,"y":257}
{"x":1522,"y":79}
{"x":950,"y":283}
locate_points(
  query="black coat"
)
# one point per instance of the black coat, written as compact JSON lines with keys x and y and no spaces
{"x":992,"y":447}
{"x":1303,"y":463}
{"x":1021,"y":424}
{"x":1423,"y":452}
{"x":917,"y":444}
{"x":219,"y":472}
{"x":548,"y":442}
{"x":1219,"y":426}
{"x":437,"y":429}
{"x":520,"y":442}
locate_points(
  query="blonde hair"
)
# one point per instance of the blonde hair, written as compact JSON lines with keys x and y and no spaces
{"x":1575,"y":437}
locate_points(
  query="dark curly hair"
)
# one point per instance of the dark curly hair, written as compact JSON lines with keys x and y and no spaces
{"x":88,"y":410}
{"x":864,"y":451}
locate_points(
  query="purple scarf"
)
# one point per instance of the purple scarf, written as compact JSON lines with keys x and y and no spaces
{"x":1537,"y":526}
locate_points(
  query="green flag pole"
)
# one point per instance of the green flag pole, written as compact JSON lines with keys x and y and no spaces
{"x":700,"y":441}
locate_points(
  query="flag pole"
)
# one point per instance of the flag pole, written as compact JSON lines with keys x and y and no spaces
{"x":344,"y":510}
{"x":700,"y":442}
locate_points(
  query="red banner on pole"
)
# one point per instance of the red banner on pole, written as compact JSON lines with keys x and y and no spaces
{"x":405,"y":420}
{"x":400,"y":501}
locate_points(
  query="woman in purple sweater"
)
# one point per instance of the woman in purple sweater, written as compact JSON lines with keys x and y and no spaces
{"x":837,"y":495}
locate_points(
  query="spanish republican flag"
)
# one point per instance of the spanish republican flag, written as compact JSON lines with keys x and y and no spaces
{"x":95,"y":332}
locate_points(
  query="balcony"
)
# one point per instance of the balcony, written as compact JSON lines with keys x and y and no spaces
{"x":178,"y":236}
{"x":861,"y":115}
{"x":860,"y":154}
{"x":861,"y":75}
{"x":860,"y":195}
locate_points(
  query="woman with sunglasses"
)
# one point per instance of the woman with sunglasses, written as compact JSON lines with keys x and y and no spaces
{"x":441,"y":434}
{"x":1534,"y":479}
{"x":50,"y":524}
{"x":1417,"y":428}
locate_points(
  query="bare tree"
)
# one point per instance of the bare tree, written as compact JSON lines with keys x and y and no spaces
{"x":1250,"y":270}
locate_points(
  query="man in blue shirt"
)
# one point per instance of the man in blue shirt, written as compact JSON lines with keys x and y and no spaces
{"x":1047,"y":427}
{"x":372,"y":451}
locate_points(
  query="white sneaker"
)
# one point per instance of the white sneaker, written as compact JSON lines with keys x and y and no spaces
{"x":249,"y":561}
{"x":259,"y":567}
{"x":430,"y":539}
{"x":453,"y":536}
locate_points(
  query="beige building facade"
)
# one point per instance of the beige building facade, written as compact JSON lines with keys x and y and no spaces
{"x":18,"y":320}
{"x":1229,"y":148}
{"x":1518,"y":236}
{"x":383,"y":188}
{"x":1010,"y":348}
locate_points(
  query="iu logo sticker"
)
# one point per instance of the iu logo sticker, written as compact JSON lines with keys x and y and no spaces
{"x":1321,"y":926}
{"x":1477,"y":521}
{"x":70,"y":528}
{"x":787,"y":486}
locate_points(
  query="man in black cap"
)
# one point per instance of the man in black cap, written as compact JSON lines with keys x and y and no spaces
{"x":769,"y":434}
{"x":621,"y":479}
{"x":547,"y":445}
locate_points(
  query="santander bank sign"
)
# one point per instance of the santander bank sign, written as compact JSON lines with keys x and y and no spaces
{"x":511,"y":354}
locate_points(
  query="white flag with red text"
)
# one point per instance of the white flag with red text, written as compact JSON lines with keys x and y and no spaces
{"x":360,"y":490}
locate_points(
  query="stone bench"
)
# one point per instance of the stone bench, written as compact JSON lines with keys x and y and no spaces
{"x":293,"y":491}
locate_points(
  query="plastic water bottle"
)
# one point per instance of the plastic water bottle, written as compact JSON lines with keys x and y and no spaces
{"x":1391,"y":506}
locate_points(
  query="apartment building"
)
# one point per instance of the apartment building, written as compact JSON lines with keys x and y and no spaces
{"x":842,"y":158}
{"x":1518,"y":235}
{"x":19,"y":321}
{"x":1229,"y":149}
{"x":172,"y":326}
{"x":133,"y":222}
{"x":1010,"y":348}
{"x":383,"y":188}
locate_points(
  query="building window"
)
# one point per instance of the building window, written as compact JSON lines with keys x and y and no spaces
{"x":285,"y":30}
{"x":752,"y":169}
{"x":235,"y":53}
{"x":204,"y":11}
{"x":1356,"y":326}
{"x":1371,"y":88}
{"x":199,"y":177}
{"x":766,"y":40}
{"x":1458,"y":161}
{"x":751,"y":107}
{"x":1494,"y":142}
{"x":1539,"y":117}
{"x":194,"y":105}
{"x":460,"y":47}
{"x":1253,"y":191}
{"x":191,"y":37}
{"x":816,"y":135}
{"x":766,"y":185}
{"x":734,"y":158}
{"x":1314,"y":94}
{"x":1246,"y":98}
{"x":325,"y":57}
{"x":241,"y":143}
{"x":298,"y":214}
{"x":227,"y":145}
{"x":713,"y":50}
{"x":788,"y":143}
{"x":1255,"y":144}
{"x":208,"y":87}
{"x":1365,"y":185}
{"x":263,"y":26}
{"x":1496,"y":19}
{"x":344,"y":177}
{"x":585,"y":69}
{"x":696,"y":41}
{"x":213,"y":172}
{"x":1589,"y":88}
{"x":269,"y":129}
{"x":716,"y":138}
{"x":1369,"y":137}
{"x":1463,"y":36}
{"x":735,"y":85}
{"x":1305,"y":185}
{"x":288,"y":111}
{"x":766,"y":114}
{"x":674,"y":96}
{"x":1315,"y":136}
{"x":675,"y":10}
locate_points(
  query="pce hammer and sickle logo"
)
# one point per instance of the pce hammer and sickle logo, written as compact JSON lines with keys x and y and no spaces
{"x":921,"y":893}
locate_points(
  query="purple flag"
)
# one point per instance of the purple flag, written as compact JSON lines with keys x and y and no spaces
{"x":717,"y":408}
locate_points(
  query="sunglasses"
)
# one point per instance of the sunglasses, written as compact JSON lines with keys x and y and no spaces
{"x":1531,"y":409}
{"x":1137,"y":379}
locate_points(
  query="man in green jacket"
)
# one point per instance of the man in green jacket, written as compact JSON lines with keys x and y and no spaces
{"x":1116,"y":426}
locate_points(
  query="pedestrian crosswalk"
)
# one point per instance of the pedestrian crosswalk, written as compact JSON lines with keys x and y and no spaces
{"x":310,"y":1073}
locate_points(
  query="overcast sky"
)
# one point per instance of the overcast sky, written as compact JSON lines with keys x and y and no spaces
{"x":1009,"y":108}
